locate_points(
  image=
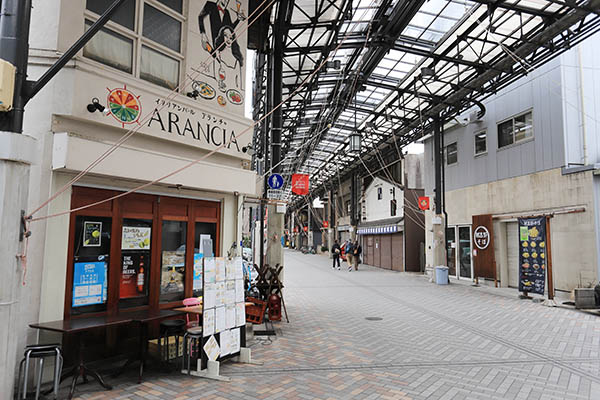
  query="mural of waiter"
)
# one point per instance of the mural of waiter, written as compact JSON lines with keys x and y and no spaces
{"x":222,"y":44}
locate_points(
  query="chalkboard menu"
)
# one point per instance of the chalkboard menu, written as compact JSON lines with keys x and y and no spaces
{"x":532,"y":254}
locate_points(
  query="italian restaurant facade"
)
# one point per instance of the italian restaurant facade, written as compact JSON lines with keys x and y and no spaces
{"x":152,"y":96}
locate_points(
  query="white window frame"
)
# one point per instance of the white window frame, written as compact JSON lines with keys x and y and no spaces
{"x":479,"y":132}
{"x":139,"y":40}
{"x":446,"y":153}
{"x":515,"y":142}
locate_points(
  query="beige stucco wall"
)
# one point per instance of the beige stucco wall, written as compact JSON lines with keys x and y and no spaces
{"x":573,"y":235}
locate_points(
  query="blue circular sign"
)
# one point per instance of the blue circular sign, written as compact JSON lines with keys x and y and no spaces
{"x":275,"y":181}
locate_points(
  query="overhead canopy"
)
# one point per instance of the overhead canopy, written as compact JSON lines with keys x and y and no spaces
{"x":394,"y":65}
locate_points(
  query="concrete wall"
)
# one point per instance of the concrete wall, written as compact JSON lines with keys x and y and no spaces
{"x":574,"y":250}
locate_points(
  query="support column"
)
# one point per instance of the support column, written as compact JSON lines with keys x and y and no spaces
{"x":353,"y":206}
{"x":438,"y":223}
{"x":16,"y":155}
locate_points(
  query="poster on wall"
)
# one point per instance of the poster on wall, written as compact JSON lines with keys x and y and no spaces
{"x":92,"y":234}
{"x":173,"y":266}
{"x":532,"y":254}
{"x":89,"y":283}
{"x":133,"y":274}
{"x":216,"y":57}
{"x":198,"y":271}
{"x":135,"y":238}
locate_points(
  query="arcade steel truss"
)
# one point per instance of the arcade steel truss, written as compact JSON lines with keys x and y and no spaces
{"x":374,"y":81}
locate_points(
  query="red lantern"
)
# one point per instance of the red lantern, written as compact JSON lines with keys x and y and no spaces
{"x":300,"y":184}
{"x":424,"y":203}
{"x":305,"y":229}
{"x":325,"y":224}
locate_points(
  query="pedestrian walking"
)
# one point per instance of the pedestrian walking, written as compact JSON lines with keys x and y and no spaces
{"x":356,"y":252}
{"x":349,"y":254}
{"x":336,"y":251}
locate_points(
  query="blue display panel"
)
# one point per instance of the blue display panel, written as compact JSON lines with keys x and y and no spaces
{"x":89,"y":283}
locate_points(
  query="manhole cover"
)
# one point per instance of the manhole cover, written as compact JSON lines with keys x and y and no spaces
{"x":373,"y":318}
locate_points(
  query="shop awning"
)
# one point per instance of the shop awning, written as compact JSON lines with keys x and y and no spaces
{"x":381,"y":227}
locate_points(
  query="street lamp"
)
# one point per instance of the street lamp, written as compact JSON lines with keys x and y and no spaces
{"x":355,"y":135}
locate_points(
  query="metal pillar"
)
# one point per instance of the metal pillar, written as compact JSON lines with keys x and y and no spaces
{"x":14,"y":48}
{"x":438,"y":160}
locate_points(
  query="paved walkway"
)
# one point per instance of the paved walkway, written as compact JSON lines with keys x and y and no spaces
{"x":432,"y":342}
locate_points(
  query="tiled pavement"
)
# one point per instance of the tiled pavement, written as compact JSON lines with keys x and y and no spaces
{"x":434,"y":342}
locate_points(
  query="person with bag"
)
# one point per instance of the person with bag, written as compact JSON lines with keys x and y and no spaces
{"x":349,"y":255}
{"x":356,"y":252}
{"x":335,"y":252}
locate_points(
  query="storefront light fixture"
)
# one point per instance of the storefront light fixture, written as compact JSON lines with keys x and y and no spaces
{"x":248,"y":149}
{"x":96,"y":106}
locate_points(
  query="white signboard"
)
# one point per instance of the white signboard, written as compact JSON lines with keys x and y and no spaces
{"x":212,"y":349}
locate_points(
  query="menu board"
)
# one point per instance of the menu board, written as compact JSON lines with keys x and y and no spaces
{"x":223,"y":305}
{"x":532,"y":254}
{"x":89,"y":283}
{"x":92,"y":234}
{"x":135,"y":238}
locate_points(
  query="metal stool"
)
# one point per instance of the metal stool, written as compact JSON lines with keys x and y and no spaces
{"x":168,"y":328}
{"x":192,"y":336}
{"x":40,"y":351}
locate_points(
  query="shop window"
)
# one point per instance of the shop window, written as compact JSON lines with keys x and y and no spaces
{"x":393,"y":207}
{"x":173,"y":252}
{"x":515,"y":130}
{"x":136,"y":240}
{"x":379,"y":193}
{"x":204,"y":246}
{"x":124,"y":16}
{"x":154,"y":44}
{"x":90,"y":264}
{"x":451,"y":154}
{"x":480,"y":143}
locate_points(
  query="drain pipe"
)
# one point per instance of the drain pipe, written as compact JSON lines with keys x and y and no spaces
{"x":582,"y":109}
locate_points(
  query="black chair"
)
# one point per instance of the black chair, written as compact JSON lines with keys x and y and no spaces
{"x":168,"y":328}
{"x":192,"y":340}
{"x":40,"y":352}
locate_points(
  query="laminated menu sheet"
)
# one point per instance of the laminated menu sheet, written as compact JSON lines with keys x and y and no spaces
{"x":240,"y":314}
{"x":239,"y":291}
{"x":209,"y":299}
{"x":210,"y":270}
{"x":230,"y":316}
{"x":220,"y":319}
{"x":220,"y":268}
{"x":208,"y":322}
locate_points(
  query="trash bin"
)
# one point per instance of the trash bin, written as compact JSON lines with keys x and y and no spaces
{"x":441,"y":275}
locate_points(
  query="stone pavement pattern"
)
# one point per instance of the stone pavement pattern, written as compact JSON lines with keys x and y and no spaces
{"x":433,"y":342}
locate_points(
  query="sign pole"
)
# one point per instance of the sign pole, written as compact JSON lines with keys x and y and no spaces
{"x":550,"y":302}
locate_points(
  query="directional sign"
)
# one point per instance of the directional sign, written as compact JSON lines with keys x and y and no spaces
{"x":275,"y":181}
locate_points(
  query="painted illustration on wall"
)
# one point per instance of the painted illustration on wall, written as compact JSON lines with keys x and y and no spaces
{"x":219,"y":74}
{"x":124,"y":106}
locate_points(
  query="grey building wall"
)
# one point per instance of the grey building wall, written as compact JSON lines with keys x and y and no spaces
{"x":542,"y":93}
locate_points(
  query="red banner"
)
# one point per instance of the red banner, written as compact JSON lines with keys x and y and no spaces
{"x":300,"y":184}
{"x":325,"y":224}
{"x":424,"y":203}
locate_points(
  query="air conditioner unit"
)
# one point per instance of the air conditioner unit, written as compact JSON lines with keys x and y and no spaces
{"x":7,"y":85}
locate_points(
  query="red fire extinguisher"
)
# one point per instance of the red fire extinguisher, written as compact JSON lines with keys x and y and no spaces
{"x":140,"y":277}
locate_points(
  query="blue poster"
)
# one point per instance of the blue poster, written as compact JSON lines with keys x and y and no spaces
{"x":89,"y":283}
{"x":198,"y":271}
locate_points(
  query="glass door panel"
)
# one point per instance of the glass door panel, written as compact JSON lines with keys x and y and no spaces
{"x":136,"y":240}
{"x":464,"y":251}
{"x":173,"y":253}
{"x":90,"y":264}
{"x":204,"y":246}
{"x":451,"y":249}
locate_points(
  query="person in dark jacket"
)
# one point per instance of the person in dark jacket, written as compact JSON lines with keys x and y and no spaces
{"x":356,"y":252}
{"x":336,"y":251}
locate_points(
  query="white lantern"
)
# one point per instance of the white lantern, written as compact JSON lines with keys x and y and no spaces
{"x":355,"y":142}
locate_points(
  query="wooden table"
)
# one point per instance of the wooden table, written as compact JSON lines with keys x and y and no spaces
{"x":77,"y":327}
{"x":143,"y":318}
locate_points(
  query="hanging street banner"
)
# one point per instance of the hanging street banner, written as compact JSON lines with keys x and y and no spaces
{"x":300,"y":184}
{"x":424,"y":203}
{"x":532,"y":254}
